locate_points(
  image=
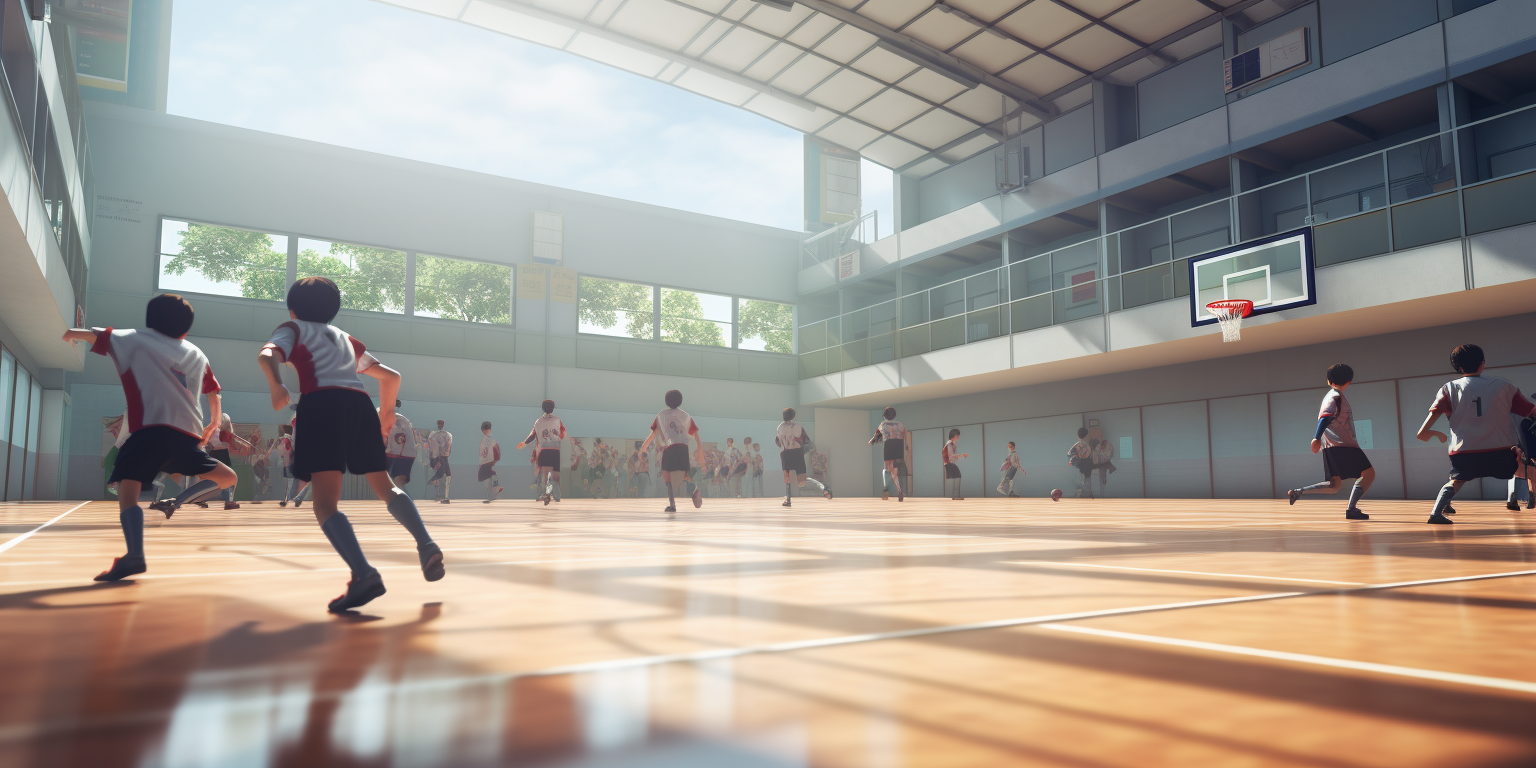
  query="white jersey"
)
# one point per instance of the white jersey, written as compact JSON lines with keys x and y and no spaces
{"x":548,"y":431}
{"x":790,"y":436}
{"x":440,"y":444}
{"x":1478,"y":409}
{"x":164,"y":378}
{"x":283,"y":449}
{"x":402,"y":439}
{"x":1012,"y":462}
{"x":675,"y":426}
{"x":324,"y":356}
{"x":1341,"y":431}
{"x":890,"y":429}
{"x":122,"y":432}
{"x":490,"y":450}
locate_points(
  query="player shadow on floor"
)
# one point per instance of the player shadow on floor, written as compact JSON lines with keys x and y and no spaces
{"x":32,"y":600}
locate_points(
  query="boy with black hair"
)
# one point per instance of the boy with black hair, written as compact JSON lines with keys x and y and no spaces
{"x":894,"y":435}
{"x":1335,"y":437}
{"x":793,"y":442}
{"x":951,"y":455}
{"x":676,"y":429}
{"x":439,"y":448}
{"x":490,"y":453}
{"x":342,"y":430}
{"x":219,"y":445}
{"x":1011,"y":466}
{"x":1080,"y":456}
{"x":548,"y":430}
{"x":1482,"y":441}
{"x":400,"y":448}
{"x":164,"y":376}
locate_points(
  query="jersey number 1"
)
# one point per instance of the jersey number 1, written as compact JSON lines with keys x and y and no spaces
{"x":1478,"y":401}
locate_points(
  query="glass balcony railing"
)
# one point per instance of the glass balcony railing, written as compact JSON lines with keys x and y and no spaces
{"x":1473,"y":179}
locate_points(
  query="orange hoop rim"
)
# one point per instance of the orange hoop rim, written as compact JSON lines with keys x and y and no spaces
{"x":1240,"y":307}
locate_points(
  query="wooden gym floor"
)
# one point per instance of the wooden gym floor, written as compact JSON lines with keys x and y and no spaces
{"x":845,"y":633}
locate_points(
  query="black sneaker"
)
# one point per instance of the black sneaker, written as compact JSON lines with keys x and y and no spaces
{"x":361,"y":590}
{"x":1449,"y":510}
{"x":1292,"y":495}
{"x":827,"y":492}
{"x":168,"y":506}
{"x":1513,"y":506}
{"x":122,"y":568}
{"x":431,"y":561}
{"x":698,"y":498}
{"x":786,"y":503}
{"x":901,"y":497}
{"x":1438,"y":519}
{"x":885,"y":495}
{"x":1355,"y":514}
{"x":670,"y":510}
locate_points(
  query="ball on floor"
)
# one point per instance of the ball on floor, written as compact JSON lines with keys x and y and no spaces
{"x":1055,"y":494}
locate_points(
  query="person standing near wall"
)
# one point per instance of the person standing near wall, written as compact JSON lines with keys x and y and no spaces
{"x":400,"y":449}
{"x":219,"y":445}
{"x":439,"y":449}
{"x":1011,"y":467}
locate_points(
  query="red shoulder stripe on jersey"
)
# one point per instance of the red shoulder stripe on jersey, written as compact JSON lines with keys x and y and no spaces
{"x":304,"y":364}
{"x":1520,"y":405}
{"x":210,"y":383}
{"x":135,"y":401}
{"x":357,"y":346}
{"x":103,"y":343}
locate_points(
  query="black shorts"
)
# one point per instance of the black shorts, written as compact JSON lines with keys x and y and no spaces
{"x":550,"y":457}
{"x":400,"y":466}
{"x":740,"y":469}
{"x":153,"y":450}
{"x":793,"y":460}
{"x":895,"y":449}
{"x":1344,"y":462}
{"x":341,"y":434}
{"x":288,"y":471}
{"x":222,"y":455}
{"x":951,"y":471}
{"x":1500,"y":464}
{"x":441,"y":467}
{"x":1085,"y":466}
{"x":675,"y":458}
{"x":487,"y":470}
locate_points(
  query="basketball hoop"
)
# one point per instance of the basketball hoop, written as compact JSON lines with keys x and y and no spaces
{"x":1230,"y":313}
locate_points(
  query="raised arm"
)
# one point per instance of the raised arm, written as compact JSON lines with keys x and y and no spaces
{"x":80,"y":334}
{"x":270,"y":358}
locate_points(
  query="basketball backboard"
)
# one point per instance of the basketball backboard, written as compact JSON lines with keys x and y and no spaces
{"x":1275,"y":273}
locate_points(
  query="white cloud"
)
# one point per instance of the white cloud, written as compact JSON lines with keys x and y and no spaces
{"x":372,"y":76}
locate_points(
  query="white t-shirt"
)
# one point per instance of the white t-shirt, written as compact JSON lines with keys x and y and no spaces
{"x":402,"y":439}
{"x":548,"y":431}
{"x":1478,"y":409}
{"x":1341,"y":431}
{"x":490,"y":450}
{"x":676,"y":427}
{"x":440,"y":444}
{"x":790,"y":436}
{"x":1011,"y":461}
{"x":324,"y":356}
{"x":122,"y":432}
{"x":890,"y":429}
{"x":164,"y":378}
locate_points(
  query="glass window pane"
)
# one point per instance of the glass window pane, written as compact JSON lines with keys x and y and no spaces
{"x":35,"y":415}
{"x":1350,"y":239}
{"x":463,"y":290}
{"x":1279,"y":208}
{"x":1144,"y":246}
{"x":17,"y":435}
{"x":882,"y":318}
{"x":688,"y":317}
{"x":1146,"y":286}
{"x":947,"y":300}
{"x":7,"y":381}
{"x":1426,"y":221}
{"x":882,"y":348}
{"x":1348,"y":189}
{"x":613,"y":308}
{"x":856,"y":326}
{"x":1422,"y":168}
{"x":1085,"y":299}
{"x":915,"y":341}
{"x":981,"y":291}
{"x":1074,"y":266}
{"x":1030,"y":277}
{"x":813,"y":337}
{"x":1031,"y":313}
{"x":370,"y":279}
{"x":914,"y":309}
{"x":813,"y":364}
{"x":834,"y":331}
{"x":1203,"y":229}
{"x":1503,"y":203}
{"x":983,"y":324}
{"x":222,"y":261}
{"x":949,"y":332}
{"x":766,"y":326}
{"x":856,"y":354}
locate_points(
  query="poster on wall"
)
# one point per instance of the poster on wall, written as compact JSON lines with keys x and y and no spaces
{"x":832,"y":194}
{"x":562,"y":285}
{"x":531,"y":279}
{"x":101,"y":42}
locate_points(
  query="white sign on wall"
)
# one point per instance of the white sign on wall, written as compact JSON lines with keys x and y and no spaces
{"x":548,"y":238}
{"x":847,"y":265}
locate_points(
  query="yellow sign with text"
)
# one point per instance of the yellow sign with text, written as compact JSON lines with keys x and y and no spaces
{"x":530,"y":281}
{"x":562,"y":285}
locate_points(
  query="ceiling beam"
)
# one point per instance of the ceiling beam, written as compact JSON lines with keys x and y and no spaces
{"x":1356,"y":127}
{"x":1112,"y":29}
{"x":1487,"y":86}
{"x":982,"y":131}
{"x":1265,"y":159}
{"x":943,"y":63}
{"x":1077,"y":221}
{"x":1131,"y":203}
{"x":1191,"y":182}
{"x":1006,"y":35}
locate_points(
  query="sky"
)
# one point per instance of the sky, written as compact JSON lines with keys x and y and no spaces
{"x":372,"y":76}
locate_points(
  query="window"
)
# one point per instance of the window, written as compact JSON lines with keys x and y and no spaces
{"x":613,"y":308}
{"x":695,"y":318}
{"x":223,"y":261}
{"x":463,"y":290}
{"x":370,"y":279}
{"x":766,"y":326}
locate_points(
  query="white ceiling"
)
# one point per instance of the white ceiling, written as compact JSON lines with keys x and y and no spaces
{"x":914,"y":85}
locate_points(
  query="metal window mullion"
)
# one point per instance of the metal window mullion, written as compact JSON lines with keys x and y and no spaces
{"x":410,"y":283}
{"x":1386,"y":190}
{"x":655,"y":313}
{"x":293,"y":258}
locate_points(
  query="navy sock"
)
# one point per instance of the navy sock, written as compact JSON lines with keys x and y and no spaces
{"x":1443,"y":500}
{"x":197,"y":491}
{"x":1355,"y":494}
{"x":338,"y":529}
{"x":404,"y":511}
{"x":132,"y":520}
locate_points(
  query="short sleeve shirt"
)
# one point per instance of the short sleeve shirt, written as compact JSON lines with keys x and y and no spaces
{"x":1478,"y":409}
{"x":440,"y":444}
{"x":163,"y":378}
{"x":675,"y":425}
{"x":891,"y":429}
{"x":324,"y":356}
{"x":790,"y":436}
{"x":950,"y":451}
{"x":1341,"y":431}
{"x":490,"y":450}
{"x":548,"y":431}
{"x":402,"y":439}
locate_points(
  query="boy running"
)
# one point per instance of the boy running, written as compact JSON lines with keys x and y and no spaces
{"x":1011,"y":466}
{"x":951,"y":454}
{"x":164,"y":376}
{"x":342,"y":431}
{"x":400,"y":448}
{"x":1482,"y":441}
{"x":1335,"y":437}
{"x":1080,"y":455}
{"x":219,"y":445}
{"x":894,"y":435}
{"x":793,"y":442}
{"x":676,"y":429}
{"x":548,"y":431}
{"x":490,"y":453}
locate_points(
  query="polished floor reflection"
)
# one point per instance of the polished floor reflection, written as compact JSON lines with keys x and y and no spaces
{"x":845,"y":633}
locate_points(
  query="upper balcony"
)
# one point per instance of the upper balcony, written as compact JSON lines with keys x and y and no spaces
{"x":45,"y":175}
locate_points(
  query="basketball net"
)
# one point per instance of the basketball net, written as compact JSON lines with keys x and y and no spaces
{"x":1230,"y":313}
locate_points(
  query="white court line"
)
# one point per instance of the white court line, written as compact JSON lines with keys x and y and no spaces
{"x":33,"y":532}
{"x":1191,"y":573}
{"x":1307,"y":658}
